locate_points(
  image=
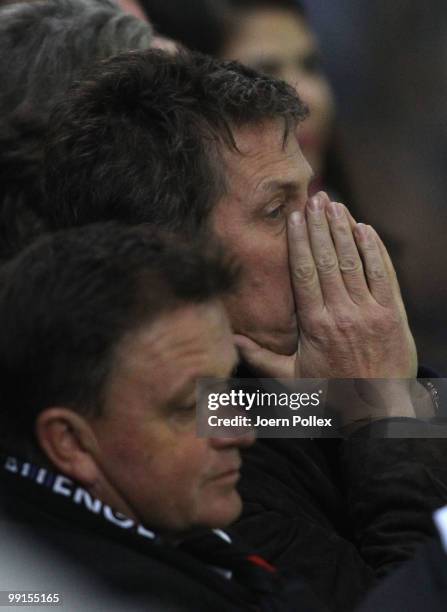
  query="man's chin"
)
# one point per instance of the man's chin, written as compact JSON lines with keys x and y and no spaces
{"x":229,"y":510}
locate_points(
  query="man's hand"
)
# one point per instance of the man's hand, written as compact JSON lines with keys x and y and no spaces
{"x":350,"y":312}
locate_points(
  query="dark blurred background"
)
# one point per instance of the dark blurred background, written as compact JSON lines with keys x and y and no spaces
{"x":387,"y":62}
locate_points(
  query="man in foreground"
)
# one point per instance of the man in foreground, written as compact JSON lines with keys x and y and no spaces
{"x":105,"y":333}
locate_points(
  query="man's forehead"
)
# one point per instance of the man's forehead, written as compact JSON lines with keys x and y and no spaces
{"x":266,"y":160}
{"x":187,"y":337}
{"x":163,"y":361}
{"x":252,"y":138}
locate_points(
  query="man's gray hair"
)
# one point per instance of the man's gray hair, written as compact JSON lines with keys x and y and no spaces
{"x":44,"y":46}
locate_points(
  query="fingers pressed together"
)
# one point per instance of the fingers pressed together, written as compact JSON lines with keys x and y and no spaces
{"x":333,"y":260}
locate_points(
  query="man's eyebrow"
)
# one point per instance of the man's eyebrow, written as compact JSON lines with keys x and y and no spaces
{"x":270,"y":186}
{"x":187,"y":387}
{"x":285,"y":186}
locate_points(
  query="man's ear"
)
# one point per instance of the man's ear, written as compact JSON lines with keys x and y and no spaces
{"x":69,"y":442}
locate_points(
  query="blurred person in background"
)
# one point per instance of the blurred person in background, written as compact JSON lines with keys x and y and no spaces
{"x":274,"y":37}
{"x":158,"y":42}
{"x":44,"y":46}
{"x":133,"y":7}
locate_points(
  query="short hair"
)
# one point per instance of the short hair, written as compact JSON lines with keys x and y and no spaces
{"x":140,"y":140}
{"x":44,"y":46}
{"x":68,"y":299}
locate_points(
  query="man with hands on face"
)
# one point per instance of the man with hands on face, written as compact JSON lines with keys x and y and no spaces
{"x":208,"y":147}
{"x":352,"y":324}
{"x":350,"y":314}
{"x":351,"y":318}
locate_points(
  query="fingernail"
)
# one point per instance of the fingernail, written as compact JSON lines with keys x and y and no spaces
{"x":361,"y":230}
{"x":296,"y":218}
{"x":316,"y":203}
{"x":335,"y":209}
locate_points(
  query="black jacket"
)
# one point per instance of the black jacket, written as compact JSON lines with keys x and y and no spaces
{"x":342,"y":513}
{"x":99,"y":560}
{"x":418,"y":586}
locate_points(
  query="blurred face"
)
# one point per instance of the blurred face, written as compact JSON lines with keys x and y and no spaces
{"x":158,"y":42}
{"x":278,"y":42}
{"x":154,"y":468}
{"x":133,"y":7}
{"x":266,"y":181}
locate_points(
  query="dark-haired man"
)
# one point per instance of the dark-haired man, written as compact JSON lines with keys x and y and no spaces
{"x":220,"y":142}
{"x":208,"y":147}
{"x":105,"y":332}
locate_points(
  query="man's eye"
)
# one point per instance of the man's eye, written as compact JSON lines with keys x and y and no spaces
{"x":187,"y":409}
{"x":183,"y":415}
{"x":275,"y":213}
